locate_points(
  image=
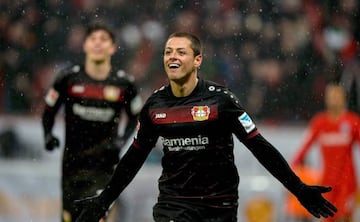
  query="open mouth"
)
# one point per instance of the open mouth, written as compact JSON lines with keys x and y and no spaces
{"x":173,"y":66}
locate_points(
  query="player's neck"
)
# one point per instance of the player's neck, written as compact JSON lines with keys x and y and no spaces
{"x":98,"y":71}
{"x":336,"y":113}
{"x":183,"y":89}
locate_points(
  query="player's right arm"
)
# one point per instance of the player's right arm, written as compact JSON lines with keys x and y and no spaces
{"x":94,"y":208}
{"x":53,"y":102}
{"x":310,"y":137}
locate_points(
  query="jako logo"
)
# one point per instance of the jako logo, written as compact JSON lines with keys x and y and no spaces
{"x":160,"y":115}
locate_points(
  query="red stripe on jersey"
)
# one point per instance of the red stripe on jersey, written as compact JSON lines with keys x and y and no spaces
{"x":251,"y":135}
{"x":184,"y":114}
{"x":135,"y":144}
{"x":110,"y":93}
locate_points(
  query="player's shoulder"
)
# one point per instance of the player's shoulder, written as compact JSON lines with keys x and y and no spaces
{"x":159,"y":96}
{"x":320,"y":116}
{"x":159,"y":93}
{"x":68,"y":70}
{"x":211,"y":87}
{"x":222,"y":92}
{"x":353,"y":115}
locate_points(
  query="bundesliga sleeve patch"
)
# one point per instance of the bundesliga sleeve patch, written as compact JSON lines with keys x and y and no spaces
{"x":51,"y":97}
{"x":246,"y":122}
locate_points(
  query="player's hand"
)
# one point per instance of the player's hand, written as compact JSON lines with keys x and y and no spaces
{"x":92,"y":209}
{"x":311,"y":198}
{"x":51,"y":142}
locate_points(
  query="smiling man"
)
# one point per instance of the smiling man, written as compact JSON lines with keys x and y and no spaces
{"x":195,"y":120}
{"x":93,"y":95}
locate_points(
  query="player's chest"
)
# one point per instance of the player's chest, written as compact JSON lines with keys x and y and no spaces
{"x":336,"y":133}
{"x":90,"y":92}
{"x":197,"y":117}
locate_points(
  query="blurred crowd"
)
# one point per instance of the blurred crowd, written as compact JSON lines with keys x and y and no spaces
{"x":275,"y":55}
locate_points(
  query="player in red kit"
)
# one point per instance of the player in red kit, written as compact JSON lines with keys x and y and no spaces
{"x":335,"y":130}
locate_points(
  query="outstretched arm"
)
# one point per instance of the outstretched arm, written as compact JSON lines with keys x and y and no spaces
{"x":309,"y":196}
{"x":95,"y":208}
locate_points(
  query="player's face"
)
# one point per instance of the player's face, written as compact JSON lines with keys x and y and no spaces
{"x":335,"y":98}
{"x":98,"y":46}
{"x":179,"y":60}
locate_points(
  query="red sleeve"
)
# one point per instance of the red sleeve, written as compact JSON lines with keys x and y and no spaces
{"x":357,"y":128}
{"x":311,"y":135}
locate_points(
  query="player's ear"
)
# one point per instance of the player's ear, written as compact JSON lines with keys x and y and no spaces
{"x":198,"y":60}
{"x":113,"y":49}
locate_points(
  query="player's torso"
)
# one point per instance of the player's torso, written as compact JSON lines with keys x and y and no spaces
{"x":189,"y":124}
{"x":336,"y":133}
{"x":197,"y":144}
{"x":92,"y":107}
{"x":336,"y":138}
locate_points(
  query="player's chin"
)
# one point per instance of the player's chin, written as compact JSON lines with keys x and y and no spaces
{"x":174,"y":73}
{"x":98,"y":59}
{"x":175,"y":78}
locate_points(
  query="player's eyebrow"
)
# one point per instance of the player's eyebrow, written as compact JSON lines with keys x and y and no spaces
{"x":181,"y":48}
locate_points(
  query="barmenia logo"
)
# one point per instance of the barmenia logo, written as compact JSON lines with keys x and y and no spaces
{"x":186,"y":143}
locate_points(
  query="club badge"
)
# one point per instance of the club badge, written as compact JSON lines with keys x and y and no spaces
{"x":200,"y":113}
{"x":51,"y":97}
{"x":111,"y":93}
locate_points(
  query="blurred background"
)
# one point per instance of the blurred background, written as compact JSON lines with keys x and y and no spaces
{"x":275,"y":55}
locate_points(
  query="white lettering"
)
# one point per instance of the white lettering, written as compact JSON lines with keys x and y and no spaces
{"x":93,"y":113}
{"x":334,"y":139}
{"x":187,"y":143}
{"x":160,"y":115}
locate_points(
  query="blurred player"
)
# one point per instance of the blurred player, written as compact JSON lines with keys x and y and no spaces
{"x":335,"y":130}
{"x":93,"y":95}
{"x":196,"y":120}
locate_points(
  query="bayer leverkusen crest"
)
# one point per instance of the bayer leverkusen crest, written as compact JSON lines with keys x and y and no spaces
{"x":200,"y":113}
{"x":111,"y":93}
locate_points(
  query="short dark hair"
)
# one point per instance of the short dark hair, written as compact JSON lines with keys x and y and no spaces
{"x":100,"y":25}
{"x":196,"y":45}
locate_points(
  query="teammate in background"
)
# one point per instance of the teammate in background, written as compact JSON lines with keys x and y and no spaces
{"x":335,"y":130}
{"x":195,"y":120}
{"x":94,"y":95}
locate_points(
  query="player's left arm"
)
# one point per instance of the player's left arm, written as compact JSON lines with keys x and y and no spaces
{"x":309,"y":196}
{"x":244,"y":128}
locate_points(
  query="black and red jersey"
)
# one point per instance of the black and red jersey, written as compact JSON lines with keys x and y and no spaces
{"x":92,"y":111}
{"x":197,"y":137}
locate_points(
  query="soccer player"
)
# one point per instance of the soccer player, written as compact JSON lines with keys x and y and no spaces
{"x":93,"y":95}
{"x":335,"y":131}
{"x":195,"y":120}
